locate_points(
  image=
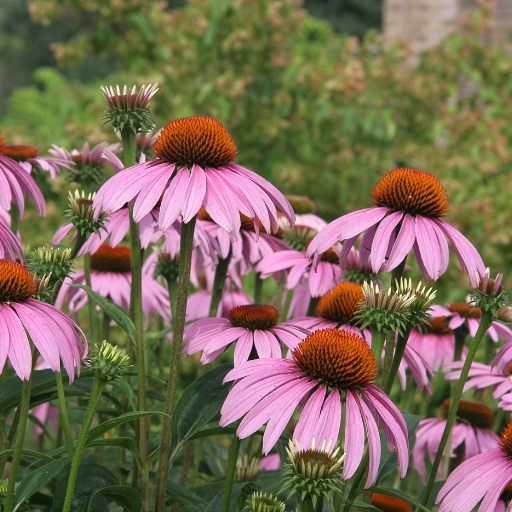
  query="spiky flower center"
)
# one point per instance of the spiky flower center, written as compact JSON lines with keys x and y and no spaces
{"x":465,"y":310}
{"x":338,"y":358}
{"x":411,"y":191}
{"x":505,"y":441}
{"x":255,"y":317}
{"x":476,"y":414}
{"x":16,"y":283}
{"x":389,"y":503}
{"x":112,"y":259}
{"x":196,"y":140}
{"x":19,"y":153}
{"x":438,"y":325}
{"x":340,"y":303}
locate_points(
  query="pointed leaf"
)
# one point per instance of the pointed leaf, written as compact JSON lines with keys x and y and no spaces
{"x":37,"y":479}
{"x":123,"y":495}
{"x":200,"y":402}
{"x":114,"y":422}
{"x":114,"y":312}
{"x":216,"y":504}
{"x":186,"y":498}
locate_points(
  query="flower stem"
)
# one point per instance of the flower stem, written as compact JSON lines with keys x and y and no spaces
{"x":258,"y":288}
{"x":97,"y":388}
{"x":64,"y":419}
{"x":186,"y":246}
{"x":230,"y":473}
{"x":397,"y":359}
{"x":221,"y":271}
{"x":485,"y":323}
{"x":18,"y":447}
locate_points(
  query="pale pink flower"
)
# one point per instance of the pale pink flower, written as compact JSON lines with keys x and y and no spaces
{"x":330,"y":374}
{"x":55,"y":336}
{"x":194,"y":168}
{"x":406,"y":217}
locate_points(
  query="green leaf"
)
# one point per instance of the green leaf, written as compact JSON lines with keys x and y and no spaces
{"x":114,"y":422}
{"x":27,"y":453}
{"x":123,"y":495}
{"x":90,"y":479}
{"x":435,"y":491}
{"x":186,"y":498}
{"x":216,"y":504}
{"x":396,"y":493}
{"x":42,"y":381}
{"x":37,"y":479}
{"x":114,"y":312}
{"x":200,"y":402}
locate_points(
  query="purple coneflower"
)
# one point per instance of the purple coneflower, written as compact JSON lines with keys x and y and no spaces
{"x":471,"y":434}
{"x":436,"y":344}
{"x":482,"y":376}
{"x":111,"y":278}
{"x":485,"y":478}
{"x":10,"y":246}
{"x":406,"y":217}
{"x":249,"y":326}
{"x":330,"y":370}
{"x":194,"y":167}
{"x":460,"y":313}
{"x":53,"y":334}
{"x":28,"y":158}
{"x":16,"y":183}
{"x":320,"y":281}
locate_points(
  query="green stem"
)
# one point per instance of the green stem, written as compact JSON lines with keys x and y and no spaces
{"x":138,"y":320}
{"x":64,"y":419}
{"x":186,"y":247}
{"x":378,"y":338}
{"x":128,"y":138}
{"x":397,"y":359}
{"x":230,"y":473}
{"x":97,"y":388}
{"x":15,"y":219}
{"x":356,"y":485}
{"x":258,"y":288}
{"x":18,"y":447}
{"x":485,"y":323}
{"x":90,"y":303}
{"x":221,"y":271}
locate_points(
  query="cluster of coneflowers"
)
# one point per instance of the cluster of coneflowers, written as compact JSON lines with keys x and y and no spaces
{"x":330,"y":345}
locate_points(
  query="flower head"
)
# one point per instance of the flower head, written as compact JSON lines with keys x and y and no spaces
{"x":330,"y":370}
{"x":129,"y":108}
{"x":472,"y":434}
{"x":407,"y":216}
{"x":262,"y":502}
{"x":194,"y":168}
{"x":484,"y":478}
{"x":23,"y":318}
{"x":16,"y":183}
{"x":250,"y":326}
{"x":488,"y":294}
{"x":312,"y":472}
{"x":110,"y":361}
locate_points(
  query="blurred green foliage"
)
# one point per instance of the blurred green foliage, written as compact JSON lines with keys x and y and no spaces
{"x":316,"y":112}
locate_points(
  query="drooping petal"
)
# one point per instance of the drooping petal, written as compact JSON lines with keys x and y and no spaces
{"x":354,"y":436}
{"x":382,"y":238}
{"x":20,"y":354}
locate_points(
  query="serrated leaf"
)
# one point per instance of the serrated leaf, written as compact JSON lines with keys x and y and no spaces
{"x":116,"y":313}
{"x":37,"y":479}
{"x":123,"y":495}
{"x":200,"y":402}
